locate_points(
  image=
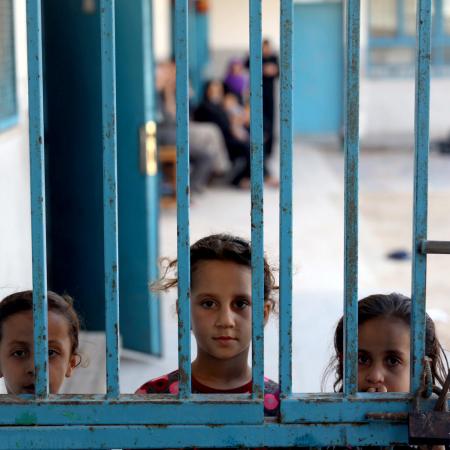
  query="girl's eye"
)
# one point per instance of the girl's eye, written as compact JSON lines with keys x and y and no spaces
{"x":363,"y":359}
{"x":52,"y":352}
{"x":393,"y":361}
{"x":241,"y":303}
{"x":207,"y":304}
{"x":19,"y":353}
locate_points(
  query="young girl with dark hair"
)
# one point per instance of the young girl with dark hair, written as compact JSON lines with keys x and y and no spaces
{"x":17,"y":341}
{"x":384,"y":346}
{"x":221,"y":317}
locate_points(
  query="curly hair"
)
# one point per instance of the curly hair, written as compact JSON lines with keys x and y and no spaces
{"x":219,"y":247}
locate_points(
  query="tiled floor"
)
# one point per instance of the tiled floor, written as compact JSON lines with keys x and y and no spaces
{"x":385,"y":225}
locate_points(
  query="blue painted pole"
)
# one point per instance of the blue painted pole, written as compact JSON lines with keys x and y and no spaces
{"x":257,"y":186}
{"x":351,"y":145}
{"x":37,"y":179}
{"x":184,"y":266}
{"x":110,"y":226}
{"x":422,"y":127}
{"x":286,"y":44}
{"x":152,"y":181}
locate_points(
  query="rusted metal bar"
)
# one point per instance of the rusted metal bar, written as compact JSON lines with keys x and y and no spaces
{"x":286,"y":60}
{"x":420,"y":214}
{"x":110,"y":212}
{"x":435,"y":247}
{"x":257,"y":195}
{"x":37,"y":179}
{"x":182,"y":162}
{"x":351,"y":144}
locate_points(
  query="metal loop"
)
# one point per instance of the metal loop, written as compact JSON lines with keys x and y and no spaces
{"x":427,"y":383}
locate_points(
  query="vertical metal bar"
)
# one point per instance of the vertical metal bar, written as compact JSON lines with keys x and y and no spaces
{"x":152,"y":180}
{"x":184,"y":271}
{"x":422,"y":122}
{"x":37,"y":179}
{"x":111,"y":258}
{"x":286,"y":44}
{"x":257,"y":185}
{"x":351,"y":196}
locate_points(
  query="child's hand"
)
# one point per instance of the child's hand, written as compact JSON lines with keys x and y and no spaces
{"x":377,"y":389}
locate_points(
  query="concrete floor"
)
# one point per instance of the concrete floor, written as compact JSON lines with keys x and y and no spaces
{"x":386,"y":182}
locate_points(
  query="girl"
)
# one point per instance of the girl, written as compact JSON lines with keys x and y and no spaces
{"x":16,"y":341}
{"x":221,"y":312}
{"x":384,"y":346}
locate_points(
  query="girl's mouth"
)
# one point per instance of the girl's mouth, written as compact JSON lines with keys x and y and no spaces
{"x":225,"y":338}
{"x":28,"y":389}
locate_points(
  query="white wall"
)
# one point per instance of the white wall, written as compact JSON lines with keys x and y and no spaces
{"x":161,"y":24}
{"x":15,"y":227}
{"x":229,"y":25}
{"x":387,"y":104}
{"x":387,"y":108}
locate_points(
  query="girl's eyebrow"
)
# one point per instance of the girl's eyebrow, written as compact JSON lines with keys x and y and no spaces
{"x":18,"y":343}
{"x":395,"y":352}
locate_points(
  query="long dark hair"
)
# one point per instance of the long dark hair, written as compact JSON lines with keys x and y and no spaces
{"x":397,"y":306}
{"x":220,"y":247}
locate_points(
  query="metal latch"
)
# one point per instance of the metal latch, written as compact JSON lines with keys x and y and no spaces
{"x":431,"y":427}
{"x":148,"y":154}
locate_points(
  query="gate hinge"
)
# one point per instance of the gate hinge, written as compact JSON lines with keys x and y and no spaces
{"x":148,"y":152}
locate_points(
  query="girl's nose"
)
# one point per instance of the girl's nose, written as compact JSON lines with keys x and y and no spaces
{"x":225,"y":318}
{"x":375,"y":375}
{"x":30,"y":369}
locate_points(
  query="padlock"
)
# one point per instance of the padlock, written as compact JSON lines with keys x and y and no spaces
{"x":432,"y":427}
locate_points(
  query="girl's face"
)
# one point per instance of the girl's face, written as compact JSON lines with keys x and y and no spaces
{"x":17,"y":352}
{"x":221,"y":309}
{"x":383,"y":355}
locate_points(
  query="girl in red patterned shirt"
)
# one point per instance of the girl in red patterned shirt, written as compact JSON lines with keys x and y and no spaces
{"x":221,"y":318}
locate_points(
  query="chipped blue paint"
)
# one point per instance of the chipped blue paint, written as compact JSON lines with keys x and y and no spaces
{"x":286,"y":43}
{"x":265,"y":435}
{"x":237,"y":409}
{"x":257,"y":185}
{"x":37,"y":178}
{"x":26,"y":418}
{"x":422,"y":129}
{"x":191,"y":420}
{"x":351,"y":144}
{"x":111,"y":257}
{"x":183,"y":240}
{"x":152,"y":181}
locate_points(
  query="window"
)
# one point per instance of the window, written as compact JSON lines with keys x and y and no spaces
{"x":8,"y":99}
{"x":392,"y":37}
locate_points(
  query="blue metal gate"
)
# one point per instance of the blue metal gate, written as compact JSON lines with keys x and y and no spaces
{"x":197,"y":420}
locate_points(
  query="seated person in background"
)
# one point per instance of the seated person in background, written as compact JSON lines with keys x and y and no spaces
{"x":211,"y":109}
{"x":207,"y":149}
{"x":237,"y":80}
{"x":238,"y":116}
{"x":233,"y":119}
